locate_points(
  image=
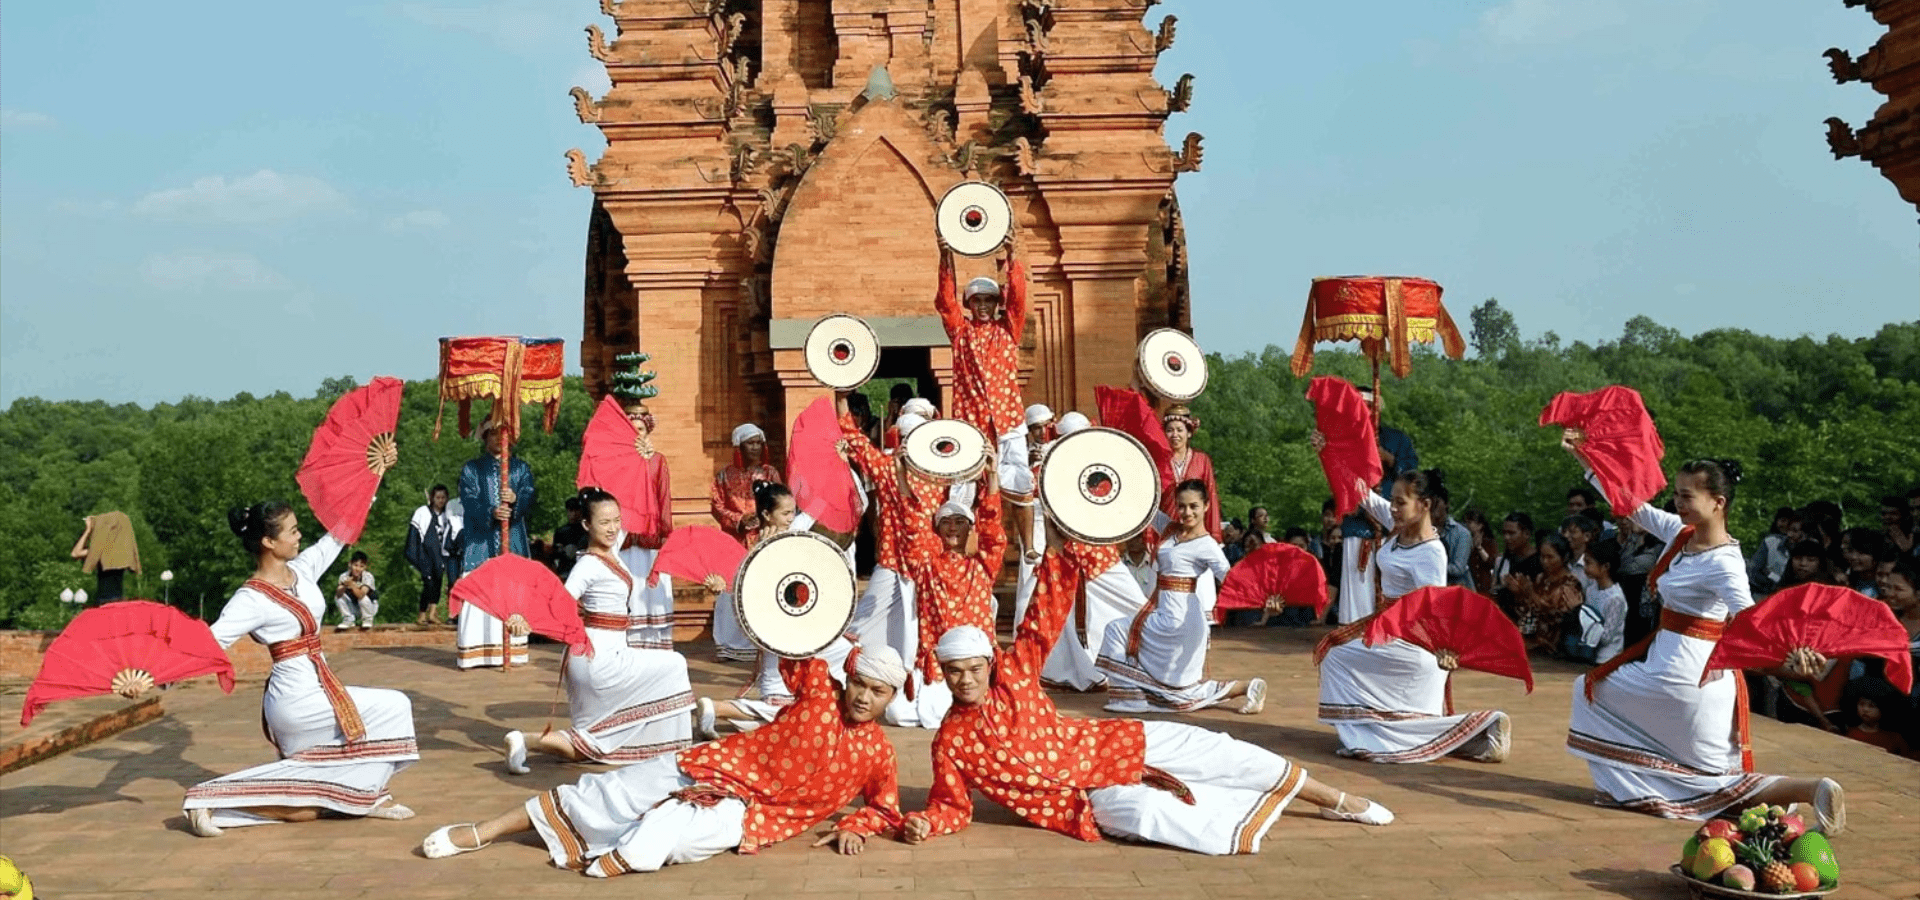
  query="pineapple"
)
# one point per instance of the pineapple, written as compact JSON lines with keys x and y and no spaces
{"x":1760,"y":853}
{"x":1777,"y":878}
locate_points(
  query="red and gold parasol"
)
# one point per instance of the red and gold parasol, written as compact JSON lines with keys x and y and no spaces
{"x":1385,"y":313}
{"x":509,"y":371}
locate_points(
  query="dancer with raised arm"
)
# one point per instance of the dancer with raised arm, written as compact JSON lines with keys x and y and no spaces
{"x":1661,"y":735}
{"x":1389,"y":703}
{"x":338,"y":746}
{"x":1162,"y":782}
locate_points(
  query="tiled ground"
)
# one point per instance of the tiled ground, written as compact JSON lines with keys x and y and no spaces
{"x":105,"y":821}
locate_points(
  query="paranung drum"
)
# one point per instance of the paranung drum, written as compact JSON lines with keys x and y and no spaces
{"x":1171,"y":365}
{"x":842,"y":351}
{"x":1099,"y":486}
{"x":974,"y":218}
{"x":946,"y":450}
{"x":794,"y":594}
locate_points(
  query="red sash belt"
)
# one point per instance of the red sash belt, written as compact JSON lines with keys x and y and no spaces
{"x":604,"y":621}
{"x":308,"y":645}
{"x":1700,"y":629}
{"x":1351,"y":630}
{"x":1176,"y":584}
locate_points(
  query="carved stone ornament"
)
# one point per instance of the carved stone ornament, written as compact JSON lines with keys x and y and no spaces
{"x":1188,"y":159}
{"x":1023,"y":156}
{"x":1181,"y":97}
{"x":940,"y":125}
{"x":578,"y":171}
{"x":1163,"y":38}
{"x":1029,"y":98}
{"x":1841,"y":139}
{"x":727,"y":30}
{"x":610,"y":8}
{"x":597,"y":44}
{"x":584,"y":106}
{"x":1037,"y":38}
{"x":1843,"y":66}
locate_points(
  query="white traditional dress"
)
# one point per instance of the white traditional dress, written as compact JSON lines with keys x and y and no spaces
{"x":1657,"y":740}
{"x":1389,"y":703}
{"x":627,"y":703}
{"x":650,"y":611}
{"x":338,"y":745}
{"x":1157,"y":661}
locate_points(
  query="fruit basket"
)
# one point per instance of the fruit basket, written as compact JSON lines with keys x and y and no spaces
{"x":1706,"y":890}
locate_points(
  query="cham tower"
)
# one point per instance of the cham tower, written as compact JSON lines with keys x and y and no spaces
{"x":773,"y":161}
{"x":1890,"y":141}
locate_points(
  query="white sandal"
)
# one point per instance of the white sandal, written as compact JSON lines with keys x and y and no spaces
{"x":1374,"y":814}
{"x":390,"y":810}
{"x":1256,"y":697}
{"x":1830,"y":807}
{"x":517,"y":753}
{"x":440,"y":845}
{"x":200,"y":822}
{"x":703,"y":725}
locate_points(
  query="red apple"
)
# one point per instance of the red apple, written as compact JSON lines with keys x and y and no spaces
{"x":1805,"y":877}
{"x":1795,"y":825}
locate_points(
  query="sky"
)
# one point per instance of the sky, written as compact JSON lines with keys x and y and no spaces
{"x":220,"y":196}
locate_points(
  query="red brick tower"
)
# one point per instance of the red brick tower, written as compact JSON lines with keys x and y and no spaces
{"x":770,"y":161}
{"x":1891,"y":139}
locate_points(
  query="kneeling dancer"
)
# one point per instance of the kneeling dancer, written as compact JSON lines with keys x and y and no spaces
{"x":1152,"y":781}
{"x":744,"y":792}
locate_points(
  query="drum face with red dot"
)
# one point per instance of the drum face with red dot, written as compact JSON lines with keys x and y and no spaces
{"x":974,"y":219}
{"x":842,"y":352}
{"x":1099,"y":486}
{"x":794,"y":594}
{"x":1171,"y":365}
{"x":948,"y":451}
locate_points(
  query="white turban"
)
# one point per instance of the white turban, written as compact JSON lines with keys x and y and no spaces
{"x":963,"y":642}
{"x":908,"y":422}
{"x":982,"y":286}
{"x":919,"y":406}
{"x":880,"y":663}
{"x":950,"y":508}
{"x":1038,"y":414}
{"x":747,"y":432}
{"x":1072,"y":422}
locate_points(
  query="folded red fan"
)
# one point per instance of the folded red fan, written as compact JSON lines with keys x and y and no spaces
{"x":1128,"y":411}
{"x":351,"y":449}
{"x":1275,"y":570}
{"x":1352,"y":451}
{"x":696,"y":551}
{"x":1833,"y":621}
{"x":823,"y":486}
{"x":100,"y":643}
{"x":1622,"y":447}
{"x":1456,"y":620}
{"x":509,"y":585}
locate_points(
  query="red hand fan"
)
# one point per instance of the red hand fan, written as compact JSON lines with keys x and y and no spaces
{"x":1275,"y":570}
{"x":1456,"y":619}
{"x":132,"y":634}
{"x":509,"y":585}
{"x":1622,"y":447}
{"x":1832,"y":620}
{"x":697,"y":551}
{"x":823,"y":486}
{"x":1130,"y":412}
{"x":1353,"y":447}
{"x":610,"y":461}
{"x":351,"y":449}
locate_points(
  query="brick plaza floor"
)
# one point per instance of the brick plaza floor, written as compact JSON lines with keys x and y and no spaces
{"x":105,"y":821}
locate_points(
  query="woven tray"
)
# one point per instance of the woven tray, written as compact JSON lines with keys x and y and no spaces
{"x":1703,"y":891}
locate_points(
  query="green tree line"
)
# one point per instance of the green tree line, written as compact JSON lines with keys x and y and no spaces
{"x":1835,"y":419}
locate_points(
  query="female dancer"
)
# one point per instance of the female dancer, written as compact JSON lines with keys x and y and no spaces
{"x":1189,"y":464}
{"x":1158,"y":660}
{"x":773,"y":513}
{"x":627,"y":704}
{"x":1660,"y":734}
{"x":338,"y":745}
{"x":1389,"y":703}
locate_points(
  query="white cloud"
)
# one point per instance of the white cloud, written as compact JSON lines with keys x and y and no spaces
{"x":264,"y":196}
{"x":417,"y":220}
{"x":11,"y":119}
{"x":198,"y":271}
{"x":1548,"y":21}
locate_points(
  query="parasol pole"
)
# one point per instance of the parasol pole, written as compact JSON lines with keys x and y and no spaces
{"x":506,"y":526}
{"x":1376,"y":391}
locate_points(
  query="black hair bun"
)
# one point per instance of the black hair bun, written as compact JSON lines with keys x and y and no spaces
{"x":238,"y":519}
{"x":1732,"y":469}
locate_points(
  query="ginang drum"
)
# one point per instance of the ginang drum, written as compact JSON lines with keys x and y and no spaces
{"x":1171,"y":365}
{"x":948,"y":451}
{"x":974,"y":218}
{"x":842,"y":351}
{"x":795,"y":594}
{"x":1099,"y":486}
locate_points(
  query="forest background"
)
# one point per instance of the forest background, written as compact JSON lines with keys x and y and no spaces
{"x":1835,"y":419}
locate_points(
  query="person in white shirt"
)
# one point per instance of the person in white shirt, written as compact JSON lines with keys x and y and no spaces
{"x":1603,"y":615}
{"x":355,"y":593}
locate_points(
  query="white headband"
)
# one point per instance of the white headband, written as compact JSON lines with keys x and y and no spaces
{"x":963,"y":642}
{"x":980,"y":286}
{"x":1072,"y":422}
{"x":907,"y":423}
{"x":880,"y":663}
{"x":1038,"y":414}
{"x":919,"y":406}
{"x":950,"y":509}
{"x":747,"y":432}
